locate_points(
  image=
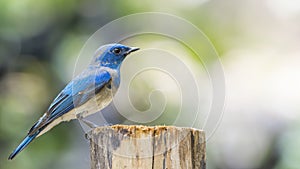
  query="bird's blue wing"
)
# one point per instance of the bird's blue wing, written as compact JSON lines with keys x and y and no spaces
{"x":78,"y":91}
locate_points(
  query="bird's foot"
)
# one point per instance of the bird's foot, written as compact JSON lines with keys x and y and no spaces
{"x":90,"y":124}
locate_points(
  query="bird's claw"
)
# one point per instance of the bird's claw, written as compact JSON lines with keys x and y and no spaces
{"x":87,"y":136}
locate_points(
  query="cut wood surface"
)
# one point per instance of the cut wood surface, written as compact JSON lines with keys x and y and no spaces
{"x":133,"y":147}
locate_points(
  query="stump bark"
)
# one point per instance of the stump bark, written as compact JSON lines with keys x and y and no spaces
{"x":133,"y":147}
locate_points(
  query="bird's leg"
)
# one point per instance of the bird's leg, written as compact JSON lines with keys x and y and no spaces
{"x":79,"y":116}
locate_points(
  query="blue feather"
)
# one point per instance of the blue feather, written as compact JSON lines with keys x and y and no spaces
{"x":23,"y":144}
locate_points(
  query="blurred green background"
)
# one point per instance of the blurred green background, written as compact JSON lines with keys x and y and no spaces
{"x":258,"y":42}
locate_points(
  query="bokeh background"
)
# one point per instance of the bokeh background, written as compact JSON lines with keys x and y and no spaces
{"x":258,"y":43}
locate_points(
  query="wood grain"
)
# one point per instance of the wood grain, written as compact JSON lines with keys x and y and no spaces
{"x":133,"y":147}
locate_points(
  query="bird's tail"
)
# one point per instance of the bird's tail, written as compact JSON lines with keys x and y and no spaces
{"x":28,"y":139}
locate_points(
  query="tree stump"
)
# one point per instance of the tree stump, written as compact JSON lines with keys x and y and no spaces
{"x":133,"y":147}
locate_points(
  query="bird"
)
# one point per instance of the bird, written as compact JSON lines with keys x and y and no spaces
{"x":87,"y":93}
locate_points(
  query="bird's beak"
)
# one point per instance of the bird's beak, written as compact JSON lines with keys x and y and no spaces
{"x":132,"y":49}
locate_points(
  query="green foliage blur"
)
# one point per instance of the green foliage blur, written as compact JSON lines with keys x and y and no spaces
{"x":40,"y":40}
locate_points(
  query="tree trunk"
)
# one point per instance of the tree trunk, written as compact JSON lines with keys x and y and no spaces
{"x":133,"y":147}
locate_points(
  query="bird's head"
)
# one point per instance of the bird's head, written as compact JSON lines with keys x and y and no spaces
{"x":112,"y":55}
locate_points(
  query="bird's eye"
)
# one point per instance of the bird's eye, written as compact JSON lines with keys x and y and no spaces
{"x":117,"y":51}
